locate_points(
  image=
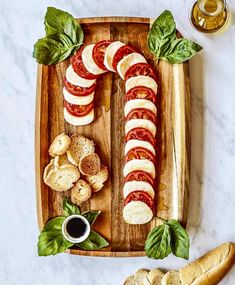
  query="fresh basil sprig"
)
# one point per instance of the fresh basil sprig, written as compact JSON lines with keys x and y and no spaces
{"x":63,"y":36}
{"x":51,"y":240}
{"x":166,"y":238}
{"x":164,"y":44}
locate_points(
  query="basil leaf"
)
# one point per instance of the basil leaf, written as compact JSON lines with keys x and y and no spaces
{"x":179,"y":239}
{"x":93,"y":242}
{"x":70,"y":209}
{"x":58,"y":21}
{"x":91,"y":216}
{"x":51,"y":240}
{"x":158,"y":243}
{"x":52,"y":49}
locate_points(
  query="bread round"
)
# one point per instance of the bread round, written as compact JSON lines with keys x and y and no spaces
{"x":137,"y":212}
{"x":171,"y":278}
{"x":90,"y":164}
{"x":48,"y":168}
{"x":155,"y":277}
{"x":61,"y":160}
{"x":79,"y":146}
{"x":140,"y":276}
{"x":97,"y":181}
{"x":80,"y":192}
{"x":59,"y":145}
{"x":129,"y":280}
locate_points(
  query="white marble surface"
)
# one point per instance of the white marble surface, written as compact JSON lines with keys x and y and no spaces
{"x":212,"y":200}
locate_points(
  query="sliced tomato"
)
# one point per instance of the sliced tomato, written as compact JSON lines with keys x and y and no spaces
{"x":79,"y":67}
{"x":77,"y":90}
{"x":140,"y":69}
{"x":121,"y":52}
{"x":141,"y":134}
{"x":140,"y":175}
{"x":140,"y":153}
{"x":98,"y":53}
{"x":141,"y":113}
{"x":78,"y":110}
{"x":141,"y":92}
{"x":139,"y":196}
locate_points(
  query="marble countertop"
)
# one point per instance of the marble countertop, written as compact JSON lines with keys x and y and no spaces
{"x":212,"y":191}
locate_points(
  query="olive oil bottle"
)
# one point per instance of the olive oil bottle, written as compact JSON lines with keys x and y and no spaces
{"x":209,"y":16}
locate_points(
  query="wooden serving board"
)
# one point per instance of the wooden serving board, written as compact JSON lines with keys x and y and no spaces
{"x":173,"y":150}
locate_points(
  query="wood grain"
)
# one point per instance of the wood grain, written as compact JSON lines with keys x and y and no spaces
{"x":173,"y":148}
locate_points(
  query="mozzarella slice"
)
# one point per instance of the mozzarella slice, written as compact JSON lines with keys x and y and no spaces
{"x":78,"y":100}
{"x":79,"y":121}
{"x":109,"y":54}
{"x":141,"y":80}
{"x":140,"y":123}
{"x":129,"y":60}
{"x":138,"y":143}
{"x":139,"y":164}
{"x":132,"y":186}
{"x":137,"y":212}
{"x":89,"y":62}
{"x":139,"y":103}
{"x":75,"y":79}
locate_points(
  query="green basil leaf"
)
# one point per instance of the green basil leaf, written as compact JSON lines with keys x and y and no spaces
{"x":52,"y":49}
{"x":69,"y":208}
{"x":51,"y":240}
{"x":94,"y":242}
{"x":179,"y":239}
{"x":158,"y":243}
{"x":91,"y":216}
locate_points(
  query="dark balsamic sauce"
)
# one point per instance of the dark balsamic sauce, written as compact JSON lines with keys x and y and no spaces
{"x":76,"y":227}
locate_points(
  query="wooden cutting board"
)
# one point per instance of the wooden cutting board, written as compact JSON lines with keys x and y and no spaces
{"x":173,"y":150}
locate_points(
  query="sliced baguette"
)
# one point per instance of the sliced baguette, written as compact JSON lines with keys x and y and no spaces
{"x":171,"y":278}
{"x":80,"y":192}
{"x":97,"y":181}
{"x":89,"y":164}
{"x":154,"y":277}
{"x":79,"y":146}
{"x":61,"y":160}
{"x":129,"y":280}
{"x":59,"y":145}
{"x":140,"y":276}
{"x":48,"y":168}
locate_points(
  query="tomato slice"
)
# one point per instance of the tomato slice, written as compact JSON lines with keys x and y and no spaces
{"x":140,"y":175}
{"x":141,"y":113}
{"x":79,"y":67}
{"x":141,"y":134}
{"x":140,"y":153}
{"x":78,"y":110}
{"x":77,"y":90}
{"x":140,"y":69}
{"x":121,"y":52}
{"x":139,"y":196}
{"x":141,"y":92}
{"x":98,"y":53}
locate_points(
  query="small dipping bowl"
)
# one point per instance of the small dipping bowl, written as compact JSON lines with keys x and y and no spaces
{"x":71,"y":221}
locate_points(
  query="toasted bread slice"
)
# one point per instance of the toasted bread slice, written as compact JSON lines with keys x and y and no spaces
{"x":61,"y":160}
{"x":129,"y":280}
{"x":90,"y":164}
{"x":140,"y":276}
{"x":97,"y":181}
{"x":48,"y":168}
{"x":80,"y":192}
{"x":62,"y":178}
{"x":171,"y":278}
{"x":59,"y":145}
{"x":79,"y":146}
{"x":154,"y":277}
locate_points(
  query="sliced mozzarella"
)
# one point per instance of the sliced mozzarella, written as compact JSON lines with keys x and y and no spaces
{"x":89,"y":62}
{"x":78,"y":100}
{"x":141,"y":80}
{"x":75,"y":79}
{"x":129,"y":60}
{"x":139,"y":103}
{"x":79,"y":121}
{"x":109,"y":54}
{"x":139,"y":164}
{"x":140,"y":123}
{"x":137,"y":213}
{"x":138,"y":143}
{"x":132,"y":186}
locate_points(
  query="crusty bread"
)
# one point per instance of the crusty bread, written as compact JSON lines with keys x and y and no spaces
{"x":210,"y":268}
{"x":48,"y":168}
{"x":61,"y":160}
{"x":59,"y":145}
{"x":89,"y":164}
{"x":154,"y":277}
{"x":62,"y":178}
{"x":171,"y":278}
{"x":80,"y":192}
{"x":140,"y":276}
{"x":129,"y":280}
{"x":97,"y":181}
{"x":79,"y":146}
